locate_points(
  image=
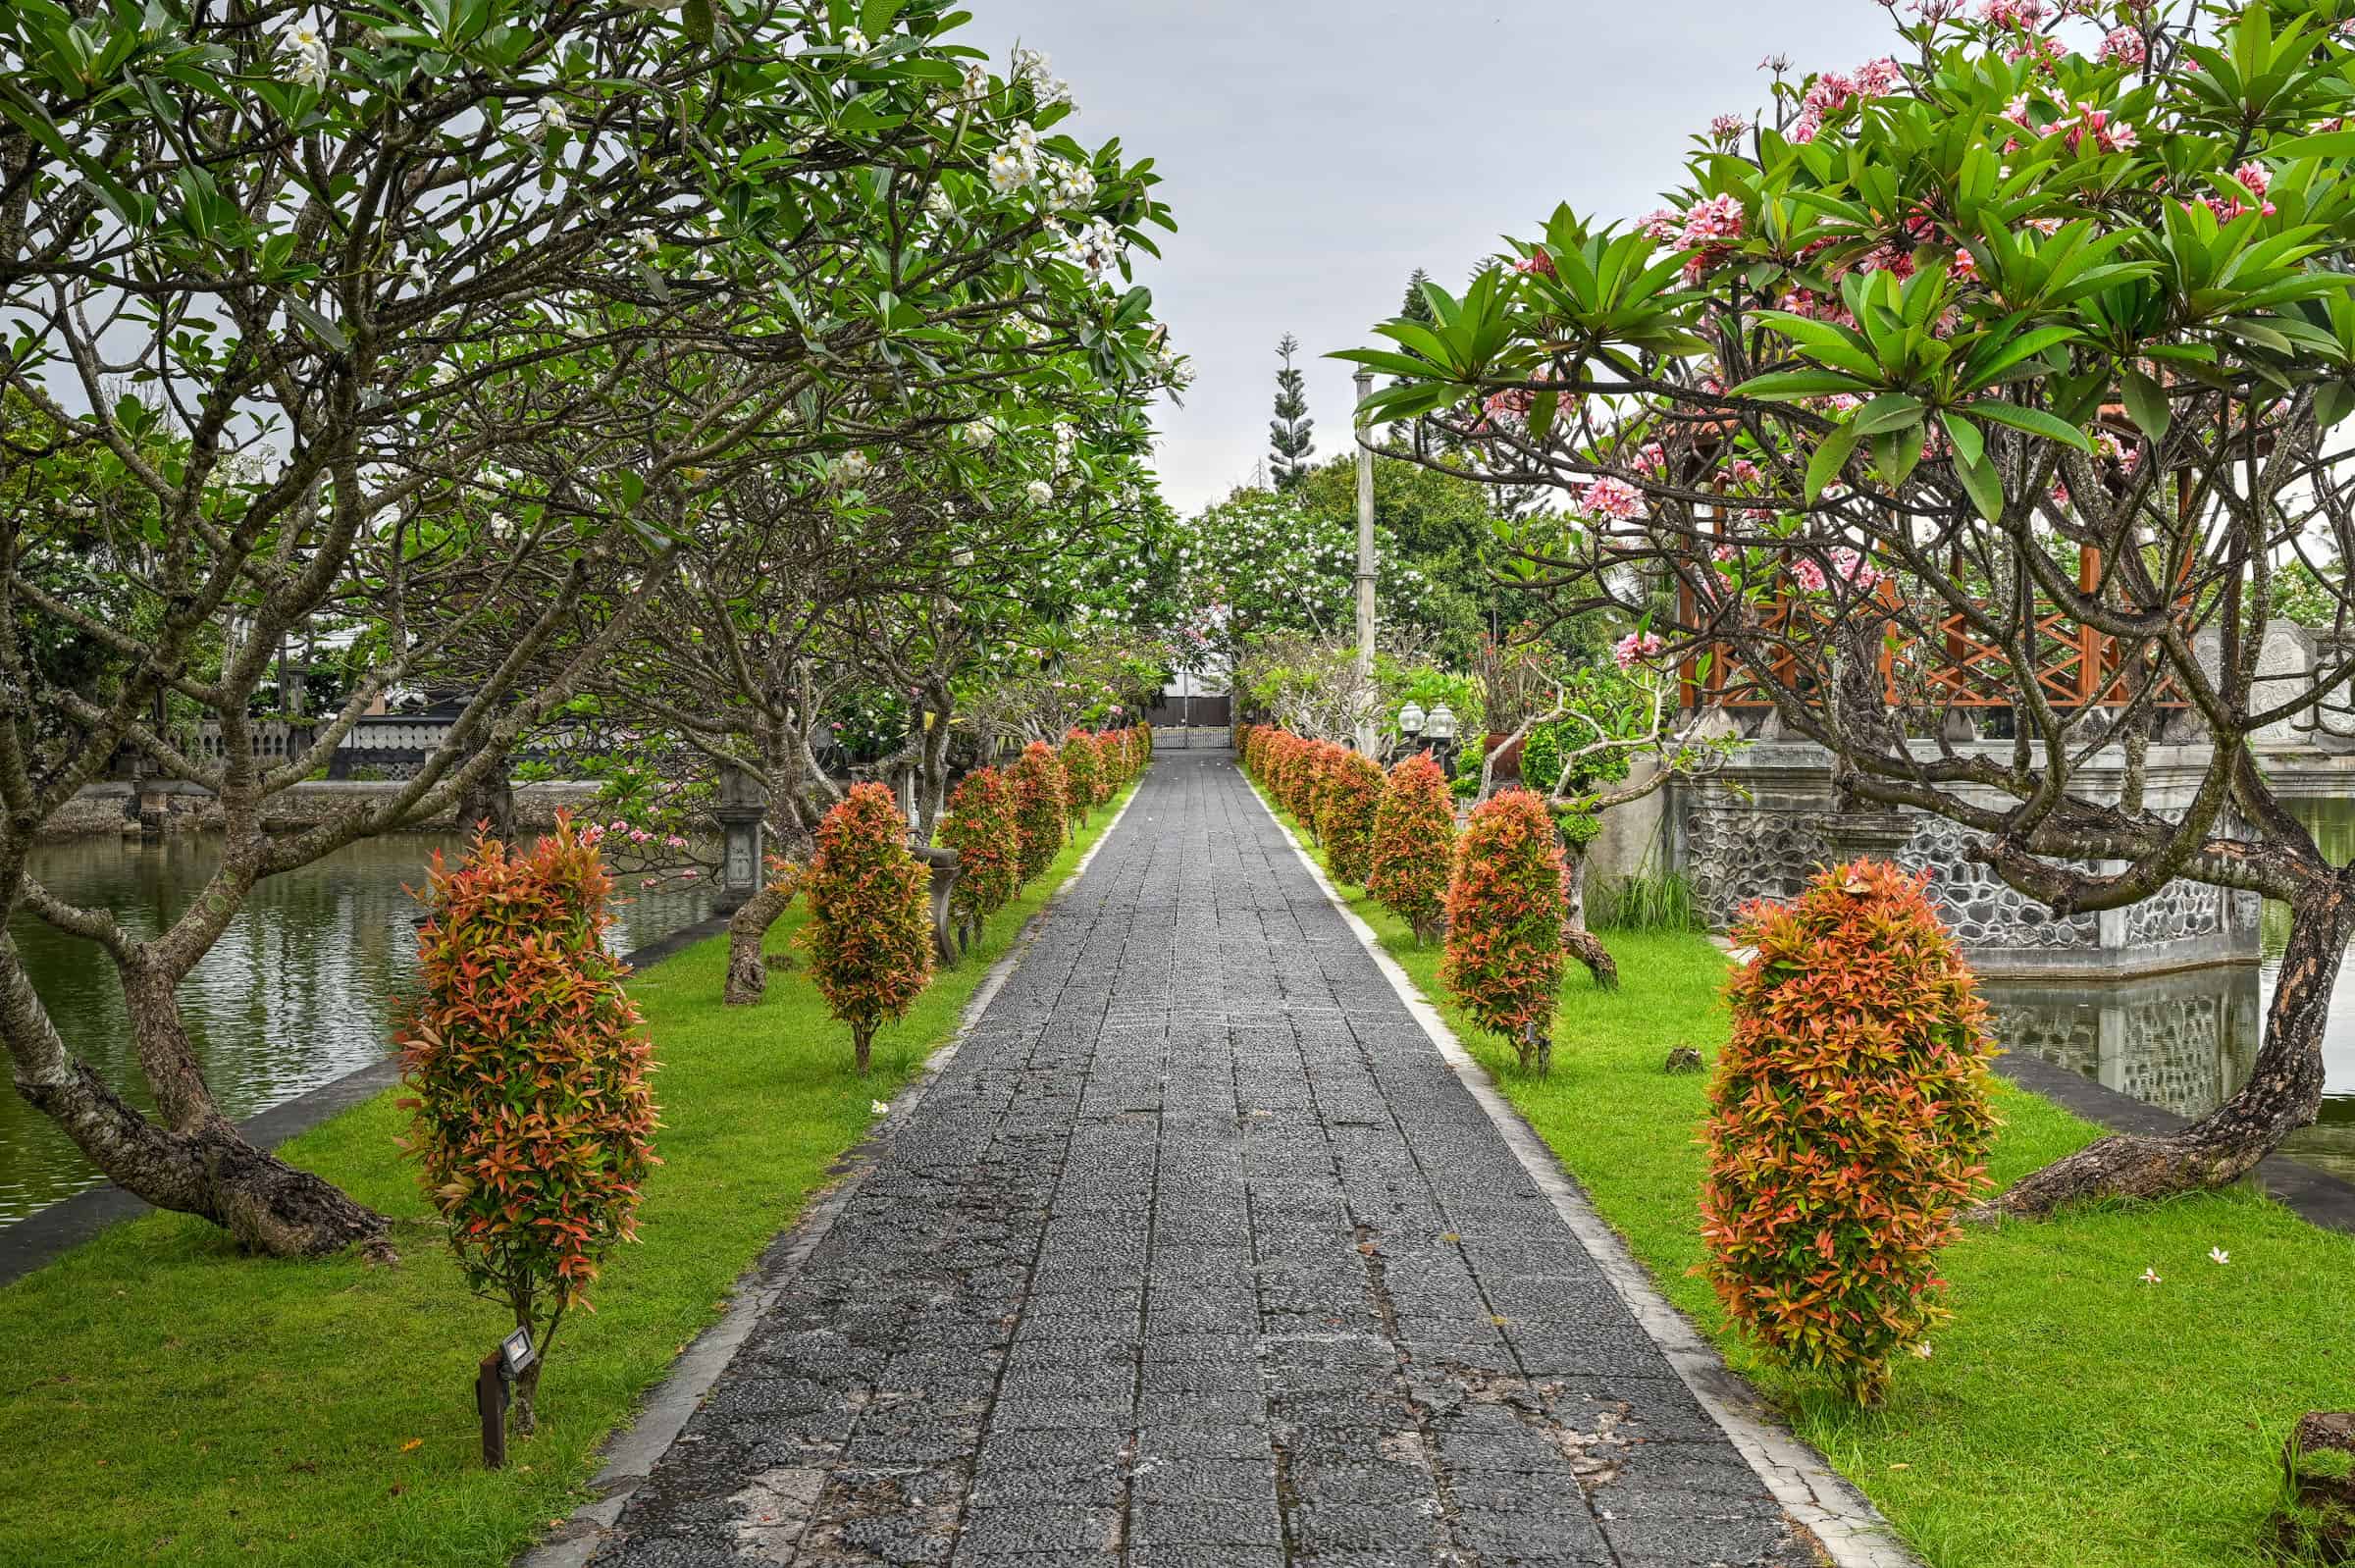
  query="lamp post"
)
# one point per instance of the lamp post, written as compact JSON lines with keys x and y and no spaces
{"x":743,"y":802}
{"x":1365,"y":571}
{"x":1410,"y":723}
{"x":1439,"y":728}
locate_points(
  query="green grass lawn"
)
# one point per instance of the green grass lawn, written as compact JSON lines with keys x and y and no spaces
{"x":169,"y":1400}
{"x":2069,"y":1415}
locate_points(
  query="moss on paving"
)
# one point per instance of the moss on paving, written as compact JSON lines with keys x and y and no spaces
{"x":169,"y":1400}
{"x":2069,"y":1415}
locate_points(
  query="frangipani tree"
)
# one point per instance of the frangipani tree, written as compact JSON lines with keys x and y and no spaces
{"x":2033,"y":335}
{"x":449,"y":316}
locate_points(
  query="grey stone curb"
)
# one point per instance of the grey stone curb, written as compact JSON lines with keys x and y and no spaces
{"x":55,"y":1228}
{"x":631,"y":1452}
{"x":1853,"y":1532}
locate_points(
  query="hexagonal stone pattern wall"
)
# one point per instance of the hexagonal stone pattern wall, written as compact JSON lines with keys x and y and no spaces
{"x":1198,"y":1254}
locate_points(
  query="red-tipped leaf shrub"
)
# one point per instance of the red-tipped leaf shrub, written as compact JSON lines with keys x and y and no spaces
{"x":1849,"y":1122}
{"x":1504,"y":924}
{"x":871,"y":915}
{"x":527,"y":1065}
{"x":981,"y":829}
{"x":1038,"y":807}
{"x":1352,"y":799}
{"x":1414,"y":844}
{"x":1082,"y":774}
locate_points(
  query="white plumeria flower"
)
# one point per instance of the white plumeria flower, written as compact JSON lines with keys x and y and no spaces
{"x":553,"y":121}
{"x":2219,"y":1255}
{"x":306,"y":55}
{"x":1009,"y":171}
{"x":851,"y":466}
{"x":855,"y":42}
{"x":2150,"y":1276}
{"x":645,"y":241}
{"x":1039,"y":492}
{"x":1023,"y":137}
{"x":879,"y":1107}
{"x":938,"y":202}
{"x":976,"y":81}
{"x":981,"y":435}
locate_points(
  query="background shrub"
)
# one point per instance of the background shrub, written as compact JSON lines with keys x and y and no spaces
{"x":871,"y":915}
{"x":1353,"y":798}
{"x":1038,"y":807}
{"x":527,"y":1070}
{"x":1849,"y":1122}
{"x":1082,"y":773}
{"x":989,"y":847}
{"x":1414,"y":844}
{"x":1505,"y":923}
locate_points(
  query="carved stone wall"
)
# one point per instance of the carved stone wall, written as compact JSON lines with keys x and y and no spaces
{"x":1735,"y":855}
{"x":1758,"y":830}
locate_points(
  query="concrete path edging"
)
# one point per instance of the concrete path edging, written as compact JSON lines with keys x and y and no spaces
{"x":631,"y":1452}
{"x":1851,"y":1531}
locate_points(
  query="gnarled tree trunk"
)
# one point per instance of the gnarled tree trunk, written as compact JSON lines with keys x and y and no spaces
{"x":2284,"y":1092}
{"x":1581,"y":942}
{"x":488,"y":805}
{"x":188,"y":1158}
{"x":748,"y":934}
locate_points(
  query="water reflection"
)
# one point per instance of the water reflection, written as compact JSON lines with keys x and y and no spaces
{"x":294,"y":994}
{"x":2186,"y":1041}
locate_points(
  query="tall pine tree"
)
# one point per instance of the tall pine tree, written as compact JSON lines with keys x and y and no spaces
{"x":1288,"y":439}
{"x":1418,"y":305}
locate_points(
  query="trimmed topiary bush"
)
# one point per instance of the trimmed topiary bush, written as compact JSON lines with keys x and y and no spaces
{"x":981,"y":829}
{"x":1352,"y":799}
{"x":1413,"y":851}
{"x":871,"y":915}
{"x":1849,"y":1122}
{"x":1082,"y":774}
{"x":527,"y":1070}
{"x":1504,"y":924}
{"x":1038,"y":807}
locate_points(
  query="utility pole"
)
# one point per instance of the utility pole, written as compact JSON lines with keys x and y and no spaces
{"x":1365,"y":573}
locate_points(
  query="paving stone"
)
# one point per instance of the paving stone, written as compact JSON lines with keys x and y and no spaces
{"x":1199,"y":1255}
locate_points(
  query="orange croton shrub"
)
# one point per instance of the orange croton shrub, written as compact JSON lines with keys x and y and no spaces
{"x":1503,"y":958}
{"x":1038,"y":807}
{"x":981,"y":829}
{"x":1346,"y":813}
{"x":1849,"y":1123}
{"x":871,"y":915}
{"x":1082,"y":773}
{"x":527,"y":1067}
{"x":1414,"y":844}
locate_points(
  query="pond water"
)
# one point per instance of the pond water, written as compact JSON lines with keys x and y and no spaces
{"x":296,"y":992}
{"x":2186,"y":1041}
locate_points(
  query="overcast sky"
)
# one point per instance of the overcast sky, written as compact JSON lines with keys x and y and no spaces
{"x":1318,"y":152}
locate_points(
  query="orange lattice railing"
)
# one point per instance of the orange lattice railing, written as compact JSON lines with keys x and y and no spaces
{"x":2076,"y":665}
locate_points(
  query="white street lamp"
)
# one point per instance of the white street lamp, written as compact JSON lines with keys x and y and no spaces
{"x":1410,"y":720}
{"x":1440,"y":726}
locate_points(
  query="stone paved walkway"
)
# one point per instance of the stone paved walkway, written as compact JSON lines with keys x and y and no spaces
{"x":1196,"y":1255}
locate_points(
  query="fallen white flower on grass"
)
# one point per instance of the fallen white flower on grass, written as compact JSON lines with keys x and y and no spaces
{"x":2150,"y":1276}
{"x":2219,"y":1255}
{"x":1922,"y":1350}
{"x":879,"y":1107}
